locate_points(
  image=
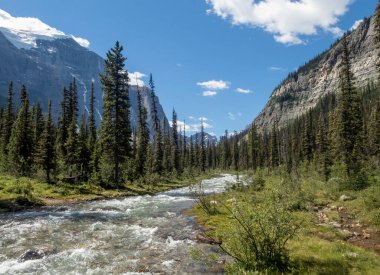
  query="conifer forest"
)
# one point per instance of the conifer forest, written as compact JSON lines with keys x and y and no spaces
{"x":121,"y":189}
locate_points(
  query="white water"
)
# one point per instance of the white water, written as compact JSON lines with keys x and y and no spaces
{"x":135,"y":235}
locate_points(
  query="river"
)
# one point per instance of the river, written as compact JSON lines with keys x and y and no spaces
{"x":133,"y":235}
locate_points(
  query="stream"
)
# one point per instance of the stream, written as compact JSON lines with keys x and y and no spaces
{"x":133,"y":235}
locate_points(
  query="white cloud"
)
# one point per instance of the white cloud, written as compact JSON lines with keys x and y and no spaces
{"x":209,"y":93}
{"x":215,"y":84}
{"x":233,"y":116}
{"x":274,"y":68}
{"x":287,"y":20}
{"x":136,"y":78}
{"x":356,"y":24}
{"x":24,"y":31}
{"x":244,"y":91}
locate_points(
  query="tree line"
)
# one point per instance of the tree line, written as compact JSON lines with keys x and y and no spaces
{"x":73,"y":149}
{"x":342,"y":132}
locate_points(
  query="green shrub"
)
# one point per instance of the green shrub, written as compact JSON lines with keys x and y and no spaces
{"x":258,"y":235}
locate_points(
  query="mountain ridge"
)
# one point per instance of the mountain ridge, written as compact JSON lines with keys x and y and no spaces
{"x":302,"y":89}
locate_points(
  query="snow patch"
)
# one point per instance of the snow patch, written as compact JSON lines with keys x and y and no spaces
{"x":23,"y":32}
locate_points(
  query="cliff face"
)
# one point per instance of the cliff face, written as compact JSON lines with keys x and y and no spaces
{"x":305,"y":87}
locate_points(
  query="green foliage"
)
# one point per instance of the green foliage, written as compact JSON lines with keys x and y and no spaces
{"x":20,"y":147}
{"x":259,"y":233}
{"x":115,"y":130}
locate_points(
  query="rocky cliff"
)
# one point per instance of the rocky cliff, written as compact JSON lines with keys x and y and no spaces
{"x":305,"y":87}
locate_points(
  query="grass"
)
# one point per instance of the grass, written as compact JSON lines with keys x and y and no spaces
{"x":317,"y":249}
{"x":21,"y":193}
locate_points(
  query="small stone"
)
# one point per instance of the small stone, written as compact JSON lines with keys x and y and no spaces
{"x":345,"y":198}
{"x":31,"y":254}
{"x":214,"y":202}
{"x":333,"y":207}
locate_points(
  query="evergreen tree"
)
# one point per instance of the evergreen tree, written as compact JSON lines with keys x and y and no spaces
{"x":142,"y":136}
{"x":91,"y":120}
{"x":63,"y":124}
{"x":202,"y":152}
{"x":20,"y":146}
{"x":350,"y":119}
{"x":7,"y":121}
{"x":115,"y":131}
{"x":157,"y":143}
{"x":38,"y":123}
{"x":71,"y":159}
{"x":45,"y":155}
{"x":175,"y":145}
{"x":83,"y":150}
{"x":274,"y":154}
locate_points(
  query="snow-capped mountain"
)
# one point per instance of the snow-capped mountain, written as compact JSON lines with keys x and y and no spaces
{"x":46,"y":60}
{"x":23,"y":32}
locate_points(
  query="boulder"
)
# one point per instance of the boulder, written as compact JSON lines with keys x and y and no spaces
{"x":31,"y":254}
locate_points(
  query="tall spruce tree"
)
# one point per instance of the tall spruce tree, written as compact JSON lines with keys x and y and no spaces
{"x":45,"y":153}
{"x":350,"y":115}
{"x":20,"y":147}
{"x":115,"y":130}
{"x":91,"y":120}
{"x":142,"y":136}
{"x":158,"y":153}
{"x":175,"y":145}
{"x":7,"y":122}
{"x":202,"y":148}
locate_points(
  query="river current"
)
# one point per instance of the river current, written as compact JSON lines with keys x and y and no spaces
{"x":133,"y":235}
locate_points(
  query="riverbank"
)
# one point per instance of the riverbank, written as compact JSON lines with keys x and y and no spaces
{"x":17,"y":194}
{"x":338,"y":228}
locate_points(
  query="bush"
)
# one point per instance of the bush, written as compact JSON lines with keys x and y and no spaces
{"x":258,"y":235}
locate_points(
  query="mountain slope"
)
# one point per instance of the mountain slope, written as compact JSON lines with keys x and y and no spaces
{"x":47,"y":61}
{"x":304,"y":88}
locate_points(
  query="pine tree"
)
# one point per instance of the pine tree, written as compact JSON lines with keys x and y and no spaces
{"x":157,"y":143}
{"x":45,"y":154}
{"x":115,"y":131}
{"x":175,"y":145}
{"x":20,"y":146}
{"x":83,"y":150}
{"x":7,"y":121}
{"x":38,"y":123}
{"x":71,"y":159}
{"x":142,"y":136}
{"x":324,"y":148}
{"x":307,"y":137}
{"x":91,"y":120}
{"x":63,"y":124}
{"x":254,"y":147}
{"x":350,"y":115}
{"x":202,"y":152}
{"x":274,"y":154}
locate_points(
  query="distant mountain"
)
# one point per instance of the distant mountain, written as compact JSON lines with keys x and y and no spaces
{"x":303,"y":89}
{"x":208,"y":137}
{"x":46,"y":60}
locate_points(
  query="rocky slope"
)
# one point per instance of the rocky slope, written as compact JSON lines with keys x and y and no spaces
{"x":48,"y":64}
{"x":305,"y":87}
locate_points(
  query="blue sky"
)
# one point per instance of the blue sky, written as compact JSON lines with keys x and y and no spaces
{"x":215,"y":59}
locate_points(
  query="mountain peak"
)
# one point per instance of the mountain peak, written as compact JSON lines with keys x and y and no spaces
{"x":23,"y":32}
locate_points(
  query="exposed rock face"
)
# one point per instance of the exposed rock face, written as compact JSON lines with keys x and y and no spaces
{"x":51,"y":65}
{"x":304,"y":88}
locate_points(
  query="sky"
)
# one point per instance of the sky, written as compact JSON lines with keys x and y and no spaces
{"x":215,"y":60}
